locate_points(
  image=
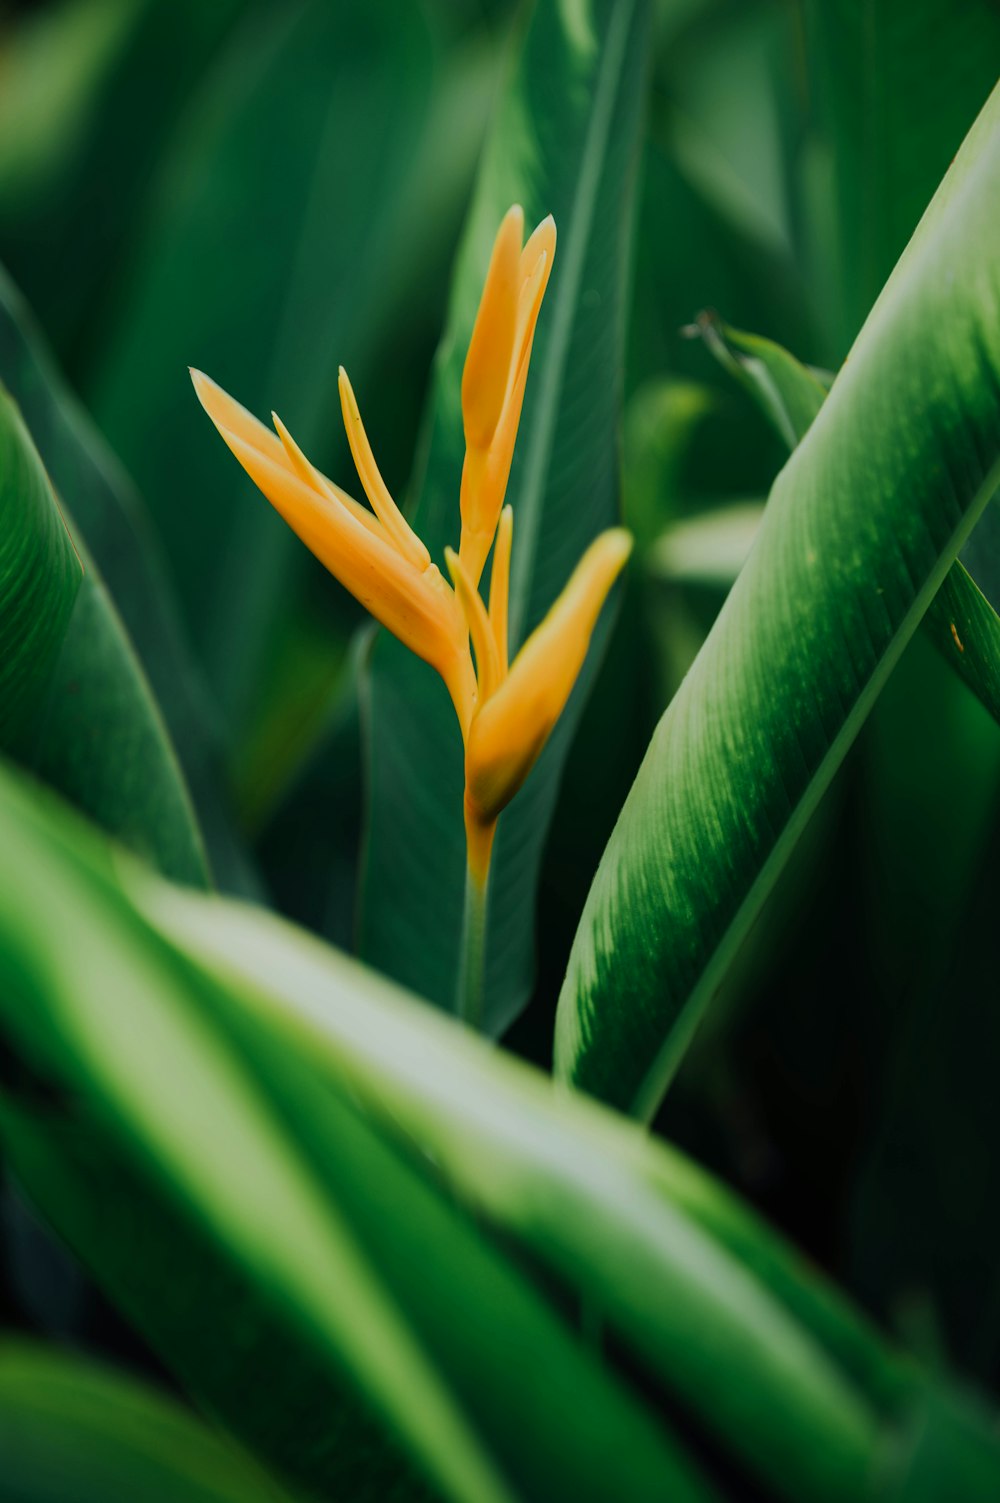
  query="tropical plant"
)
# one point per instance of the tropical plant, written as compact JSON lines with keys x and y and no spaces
{"x":594,"y":1099}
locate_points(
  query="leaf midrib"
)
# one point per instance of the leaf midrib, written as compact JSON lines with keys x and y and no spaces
{"x":657,"y":1079}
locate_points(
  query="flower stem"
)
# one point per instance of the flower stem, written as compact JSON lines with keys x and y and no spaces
{"x":472,"y":960}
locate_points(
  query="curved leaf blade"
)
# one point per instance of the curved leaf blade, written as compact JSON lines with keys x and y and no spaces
{"x":960,"y":621}
{"x":564,"y":142}
{"x":764,"y":1355}
{"x":40,"y":576}
{"x":120,"y":537}
{"x":222,"y":1195}
{"x":861,"y":527}
{"x":77,"y":708}
{"x":73,"y":1432}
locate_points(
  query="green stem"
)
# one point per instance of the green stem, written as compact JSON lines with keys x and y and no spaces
{"x":472,"y":960}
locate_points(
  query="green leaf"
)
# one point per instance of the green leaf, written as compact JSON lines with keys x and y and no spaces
{"x":960,"y":620}
{"x":40,"y":574}
{"x":221,"y":1193}
{"x":564,"y":142}
{"x":939,"y":880}
{"x":73,"y":1432}
{"x":789,"y":394}
{"x":119,"y":535}
{"x":860,"y":529}
{"x":291,"y":231}
{"x":643,"y":1239}
{"x":76,"y":708}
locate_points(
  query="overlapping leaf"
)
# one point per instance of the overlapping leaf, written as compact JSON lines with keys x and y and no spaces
{"x":76,"y":706}
{"x":960,"y":621}
{"x":861,"y":527}
{"x":121,"y":541}
{"x":233,"y":1218}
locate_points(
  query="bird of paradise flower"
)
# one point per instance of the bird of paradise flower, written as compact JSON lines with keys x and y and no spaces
{"x":506,"y":710}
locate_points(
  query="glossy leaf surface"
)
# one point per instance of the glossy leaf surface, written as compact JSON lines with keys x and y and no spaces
{"x":234,"y":1222}
{"x":77,"y":708}
{"x":860,"y":529}
{"x":960,"y":621}
{"x":118,"y":533}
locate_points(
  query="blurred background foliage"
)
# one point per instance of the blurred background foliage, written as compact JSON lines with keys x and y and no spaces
{"x":269,"y":190}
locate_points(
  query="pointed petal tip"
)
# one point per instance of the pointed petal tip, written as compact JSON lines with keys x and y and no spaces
{"x":621,"y":539}
{"x":211,"y":395}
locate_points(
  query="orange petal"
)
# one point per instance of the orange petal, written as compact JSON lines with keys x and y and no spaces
{"x":227,"y":413}
{"x":487,"y":661}
{"x":484,"y":377}
{"x":485,"y":474}
{"x":308,"y":473}
{"x":376,"y":490}
{"x":509,"y":730}
{"x":416,"y":605}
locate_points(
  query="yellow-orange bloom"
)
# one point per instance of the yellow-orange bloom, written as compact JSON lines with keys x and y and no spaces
{"x":378,"y":558}
{"x":517,"y":708}
{"x":506,"y":713}
{"x":493,"y":381}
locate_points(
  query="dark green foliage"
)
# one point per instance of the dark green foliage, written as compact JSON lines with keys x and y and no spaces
{"x":274,"y":1199}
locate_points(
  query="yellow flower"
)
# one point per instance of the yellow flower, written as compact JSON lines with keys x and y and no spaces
{"x":506,"y":713}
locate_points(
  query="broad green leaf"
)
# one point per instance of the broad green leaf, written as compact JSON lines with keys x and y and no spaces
{"x":40,"y":575}
{"x":119,"y":536}
{"x":860,"y":529}
{"x":221,"y":1193}
{"x":563,"y":142}
{"x":292,"y":229}
{"x":76,"y":708}
{"x":74,"y":1432}
{"x":746,"y":1336}
{"x":894,"y":86}
{"x":305,"y":1062}
{"x":960,"y":621}
{"x":90,"y":87}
